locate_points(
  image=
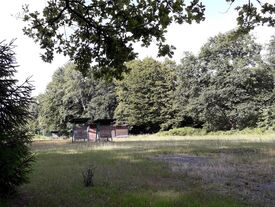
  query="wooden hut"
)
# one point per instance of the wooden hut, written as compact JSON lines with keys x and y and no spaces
{"x":120,"y":130}
{"x":80,"y":129}
{"x":105,"y":129}
{"x":100,"y":129}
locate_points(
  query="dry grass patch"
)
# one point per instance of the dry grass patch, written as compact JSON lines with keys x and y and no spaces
{"x":246,"y":173}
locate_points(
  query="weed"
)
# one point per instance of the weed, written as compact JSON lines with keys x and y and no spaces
{"x":88,"y":175}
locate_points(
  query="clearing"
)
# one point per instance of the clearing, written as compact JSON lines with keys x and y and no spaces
{"x":143,"y":171}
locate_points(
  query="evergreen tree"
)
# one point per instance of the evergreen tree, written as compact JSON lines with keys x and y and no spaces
{"x":15,"y":156}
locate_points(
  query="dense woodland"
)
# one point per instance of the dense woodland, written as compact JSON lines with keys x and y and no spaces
{"x":228,"y":85}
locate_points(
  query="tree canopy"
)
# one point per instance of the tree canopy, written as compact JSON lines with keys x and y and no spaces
{"x":102,"y":32}
{"x":70,"y":95}
{"x":145,"y":95}
{"x":226,"y":86}
{"x":271,"y":54}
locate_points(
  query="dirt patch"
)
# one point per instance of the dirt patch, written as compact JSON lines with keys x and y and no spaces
{"x":230,"y":174}
{"x":181,"y":159}
{"x":269,"y":186}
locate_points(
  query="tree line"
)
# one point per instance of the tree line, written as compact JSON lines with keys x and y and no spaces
{"x":228,"y":85}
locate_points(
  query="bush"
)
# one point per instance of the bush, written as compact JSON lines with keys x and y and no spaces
{"x":189,"y":131}
{"x":267,"y":118}
{"x":186,"y":131}
{"x":15,"y":156}
{"x":245,"y":131}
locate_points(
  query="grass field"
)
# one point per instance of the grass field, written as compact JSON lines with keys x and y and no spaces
{"x":143,"y":171}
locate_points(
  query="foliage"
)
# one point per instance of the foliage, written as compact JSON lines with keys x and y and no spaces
{"x":15,"y":156}
{"x":70,"y":95}
{"x":226,"y":85}
{"x":33,"y":124}
{"x":145,"y":95}
{"x":185,"y":131}
{"x":271,"y":54}
{"x":251,"y":15}
{"x":103,"y":32}
{"x":267,"y":117}
{"x":189,"y":131}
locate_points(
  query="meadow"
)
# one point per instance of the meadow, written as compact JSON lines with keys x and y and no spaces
{"x":153,"y":171}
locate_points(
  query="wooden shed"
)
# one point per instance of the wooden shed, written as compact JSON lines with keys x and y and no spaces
{"x":100,"y":129}
{"x":80,"y":129}
{"x":106,"y":129}
{"x":121,"y":130}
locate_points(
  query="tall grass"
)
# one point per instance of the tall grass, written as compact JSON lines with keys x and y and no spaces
{"x":189,"y":131}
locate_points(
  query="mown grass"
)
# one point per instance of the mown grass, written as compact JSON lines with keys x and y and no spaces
{"x":126,"y":174}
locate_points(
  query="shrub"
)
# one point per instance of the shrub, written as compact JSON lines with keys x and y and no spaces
{"x":267,"y":118}
{"x":189,"y":131}
{"x":185,"y":131}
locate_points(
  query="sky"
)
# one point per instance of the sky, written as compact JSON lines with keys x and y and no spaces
{"x":184,"y":37}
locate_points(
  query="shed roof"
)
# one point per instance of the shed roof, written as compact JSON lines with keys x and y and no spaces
{"x":82,"y":120}
{"x":103,"y":121}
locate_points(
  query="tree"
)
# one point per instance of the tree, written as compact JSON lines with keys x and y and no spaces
{"x":226,"y":86}
{"x":251,"y":15}
{"x":102,"y":32}
{"x":190,"y":84}
{"x":70,"y":95}
{"x":267,"y":118}
{"x":271,"y":54}
{"x":51,"y":107}
{"x":15,"y":156}
{"x":33,"y":124}
{"x":145,"y":95}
